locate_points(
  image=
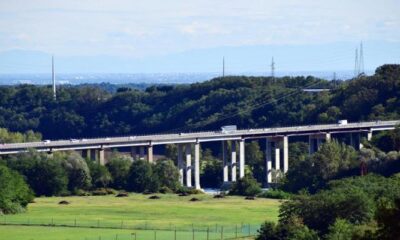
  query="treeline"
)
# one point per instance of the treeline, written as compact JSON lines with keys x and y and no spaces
{"x":26,"y":175}
{"x":244,"y":101}
{"x":66,"y":173}
{"x":340,"y":193}
{"x":16,"y":137}
{"x":89,"y":111}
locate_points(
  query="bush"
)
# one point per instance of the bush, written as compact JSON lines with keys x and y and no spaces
{"x":14,"y":192}
{"x":77,"y":169}
{"x":167,"y":174}
{"x":141,"y":178}
{"x":44,"y":174}
{"x":102,"y":192}
{"x":246,"y":186}
{"x":165,"y":190}
{"x":185,"y":191}
{"x":275,"y":194}
{"x":119,"y":167}
{"x":100,"y":175}
{"x":293,"y":229}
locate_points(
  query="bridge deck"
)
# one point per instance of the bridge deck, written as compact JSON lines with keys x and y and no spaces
{"x":207,"y":136}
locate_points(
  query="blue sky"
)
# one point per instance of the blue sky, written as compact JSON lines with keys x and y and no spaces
{"x":130,"y":35}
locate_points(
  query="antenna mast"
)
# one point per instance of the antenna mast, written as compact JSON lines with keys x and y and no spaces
{"x":53,"y":77}
{"x":223,"y":67}
{"x":361,"y":60}
{"x":356,"y":65}
{"x":273,"y":69}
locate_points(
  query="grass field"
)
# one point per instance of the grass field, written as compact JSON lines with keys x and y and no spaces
{"x":109,"y":217}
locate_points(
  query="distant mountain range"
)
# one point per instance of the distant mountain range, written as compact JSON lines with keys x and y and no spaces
{"x":24,"y":66}
{"x":147,"y":78}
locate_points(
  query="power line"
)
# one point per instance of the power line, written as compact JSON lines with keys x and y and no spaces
{"x":53,"y":76}
{"x":273,"y":69}
{"x":249,"y":108}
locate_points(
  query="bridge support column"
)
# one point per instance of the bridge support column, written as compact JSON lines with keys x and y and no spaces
{"x":285,"y":146}
{"x":277,"y":149}
{"x":101,"y":157}
{"x":225,"y":161}
{"x":188,"y":150}
{"x":197,"y":166}
{"x":141,"y":153}
{"x":369,"y":136}
{"x":277,"y":158}
{"x":133,"y":153}
{"x":233,"y":161}
{"x":150,"y":154}
{"x":315,"y":141}
{"x":180,"y":163}
{"x":268,"y":161}
{"x":241,"y":158}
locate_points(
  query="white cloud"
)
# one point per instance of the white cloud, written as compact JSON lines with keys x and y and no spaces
{"x":142,"y":28}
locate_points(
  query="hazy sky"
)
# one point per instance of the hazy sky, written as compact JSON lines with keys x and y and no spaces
{"x":132,"y":28}
{"x":193,"y":35}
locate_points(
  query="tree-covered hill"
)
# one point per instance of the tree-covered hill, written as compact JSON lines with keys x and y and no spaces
{"x":85,"y":111}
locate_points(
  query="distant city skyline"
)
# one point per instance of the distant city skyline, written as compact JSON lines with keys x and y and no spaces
{"x":194,"y":36}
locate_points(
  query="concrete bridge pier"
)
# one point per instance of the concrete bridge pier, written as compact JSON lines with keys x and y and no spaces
{"x":181,"y":165}
{"x":241,"y":158}
{"x":150,"y":154}
{"x":225,"y":161}
{"x":188,"y":151}
{"x":277,"y":149}
{"x":102,"y":160}
{"x":233,"y":161}
{"x":316,"y":140}
{"x":197,"y":165}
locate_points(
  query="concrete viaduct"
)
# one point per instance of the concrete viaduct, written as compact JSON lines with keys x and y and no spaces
{"x":277,"y":146}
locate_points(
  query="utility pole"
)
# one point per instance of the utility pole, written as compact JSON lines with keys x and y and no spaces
{"x":356,"y":66}
{"x":53,"y":76}
{"x":361,"y":60}
{"x":223,"y":67}
{"x":273,"y":69}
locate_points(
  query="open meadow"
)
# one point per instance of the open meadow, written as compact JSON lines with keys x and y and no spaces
{"x":108,"y":217}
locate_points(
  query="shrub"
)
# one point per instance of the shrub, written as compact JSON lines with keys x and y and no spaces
{"x":246,"y":186}
{"x":14,"y":192}
{"x":141,"y":177}
{"x":100,"y":175}
{"x":77,"y":169}
{"x":119,"y":167}
{"x":44,"y":174}
{"x":275,"y":194}
{"x":167,"y":174}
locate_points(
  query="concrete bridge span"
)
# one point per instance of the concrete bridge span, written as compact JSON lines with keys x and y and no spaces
{"x":277,"y":143}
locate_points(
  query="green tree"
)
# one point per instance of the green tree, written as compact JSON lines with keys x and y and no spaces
{"x":119,"y":167}
{"x":44,"y":174}
{"x":340,"y":230}
{"x":100,"y":175}
{"x":255,"y":160}
{"x":167,"y":174}
{"x":77,"y":170}
{"x":141,"y":177}
{"x":14,"y":192}
{"x":388,"y":218}
{"x":246,"y":186}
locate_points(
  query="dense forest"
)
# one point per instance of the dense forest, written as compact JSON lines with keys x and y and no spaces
{"x":88,"y":111}
{"x":336,"y":193}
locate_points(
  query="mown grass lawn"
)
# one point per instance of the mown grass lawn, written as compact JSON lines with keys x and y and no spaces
{"x":138,"y":212}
